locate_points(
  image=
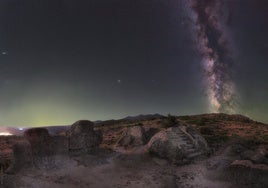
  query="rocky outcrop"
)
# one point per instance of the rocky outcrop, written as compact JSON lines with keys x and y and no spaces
{"x":248,"y":164}
{"x":132,"y":137}
{"x":258,"y":156}
{"x":22,"y":156}
{"x":38,"y":145}
{"x":247,"y":174}
{"x":39,"y":140}
{"x":178,"y":144}
{"x":42,"y":144}
{"x":82,"y":136}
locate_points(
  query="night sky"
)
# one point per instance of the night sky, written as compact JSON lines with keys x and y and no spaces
{"x":65,"y":60}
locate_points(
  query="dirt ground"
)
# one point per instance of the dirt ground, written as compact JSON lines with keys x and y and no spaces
{"x":110,"y":167}
{"x":105,"y":168}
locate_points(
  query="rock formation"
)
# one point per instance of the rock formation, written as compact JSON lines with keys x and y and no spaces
{"x":22,"y":156}
{"x":178,"y":144}
{"x":82,"y":136}
{"x":258,"y":156}
{"x":38,"y":145}
{"x":39,"y":140}
{"x":132,"y":137}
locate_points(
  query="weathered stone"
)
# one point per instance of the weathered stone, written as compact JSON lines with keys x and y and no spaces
{"x":257,"y":156}
{"x":40,"y":141}
{"x":82,"y":126}
{"x":178,"y":144}
{"x":22,"y":156}
{"x":132,"y":137}
{"x":83,"y":137}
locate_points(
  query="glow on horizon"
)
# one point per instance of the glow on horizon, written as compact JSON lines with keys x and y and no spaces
{"x":5,"y":134}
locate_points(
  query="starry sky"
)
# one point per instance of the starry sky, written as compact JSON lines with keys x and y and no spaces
{"x":65,"y":60}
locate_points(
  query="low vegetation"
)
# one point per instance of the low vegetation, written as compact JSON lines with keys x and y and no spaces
{"x":218,"y":129}
{"x":170,"y":121}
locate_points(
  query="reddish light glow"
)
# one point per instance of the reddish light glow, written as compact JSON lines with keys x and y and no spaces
{"x":5,"y":134}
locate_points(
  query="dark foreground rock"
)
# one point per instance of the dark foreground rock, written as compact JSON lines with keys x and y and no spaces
{"x":257,"y":156}
{"x":82,"y":136}
{"x":244,"y":173}
{"x":22,"y":156}
{"x":178,"y":144}
{"x":39,"y":140}
{"x":38,"y":146}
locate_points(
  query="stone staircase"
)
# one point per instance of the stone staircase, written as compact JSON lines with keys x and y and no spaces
{"x":180,"y":139}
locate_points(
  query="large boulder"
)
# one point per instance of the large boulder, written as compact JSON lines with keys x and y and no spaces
{"x":178,"y":144}
{"x":132,"y":137}
{"x":22,"y":156}
{"x":82,"y":136}
{"x":244,"y":173}
{"x":36,"y":134}
{"x":39,"y":140}
{"x":257,"y":156}
{"x":42,"y":144}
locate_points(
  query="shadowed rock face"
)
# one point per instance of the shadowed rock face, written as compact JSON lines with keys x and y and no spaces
{"x":22,"y":156}
{"x":178,"y":144}
{"x":83,"y":137}
{"x":82,"y":126}
{"x":42,"y":144}
{"x":39,"y":145}
{"x":39,"y":140}
{"x":132,"y":137}
{"x":36,"y":134}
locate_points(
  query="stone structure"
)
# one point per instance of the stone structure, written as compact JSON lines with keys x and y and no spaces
{"x":178,"y":144}
{"x":22,"y":156}
{"x":132,"y":137}
{"x":39,"y":140}
{"x":39,"y":146}
{"x":82,"y":136}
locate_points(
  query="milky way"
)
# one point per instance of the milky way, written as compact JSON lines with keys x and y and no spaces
{"x":208,"y":17}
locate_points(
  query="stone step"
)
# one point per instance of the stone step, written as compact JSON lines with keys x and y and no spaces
{"x":177,"y":132}
{"x":189,"y":142}
{"x":182,"y":141}
{"x":179,"y":139}
{"x":190,"y":151}
{"x":187,"y":146}
{"x":195,"y":154}
{"x":181,"y":136}
{"x":176,"y":142}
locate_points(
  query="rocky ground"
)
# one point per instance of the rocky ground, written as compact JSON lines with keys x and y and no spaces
{"x":237,"y":158}
{"x":107,"y":169}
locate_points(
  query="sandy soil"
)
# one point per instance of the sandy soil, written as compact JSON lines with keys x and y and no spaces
{"x":113,"y":169}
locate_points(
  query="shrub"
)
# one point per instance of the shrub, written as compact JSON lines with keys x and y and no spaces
{"x":206,"y":130}
{"x":170,"y":121}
